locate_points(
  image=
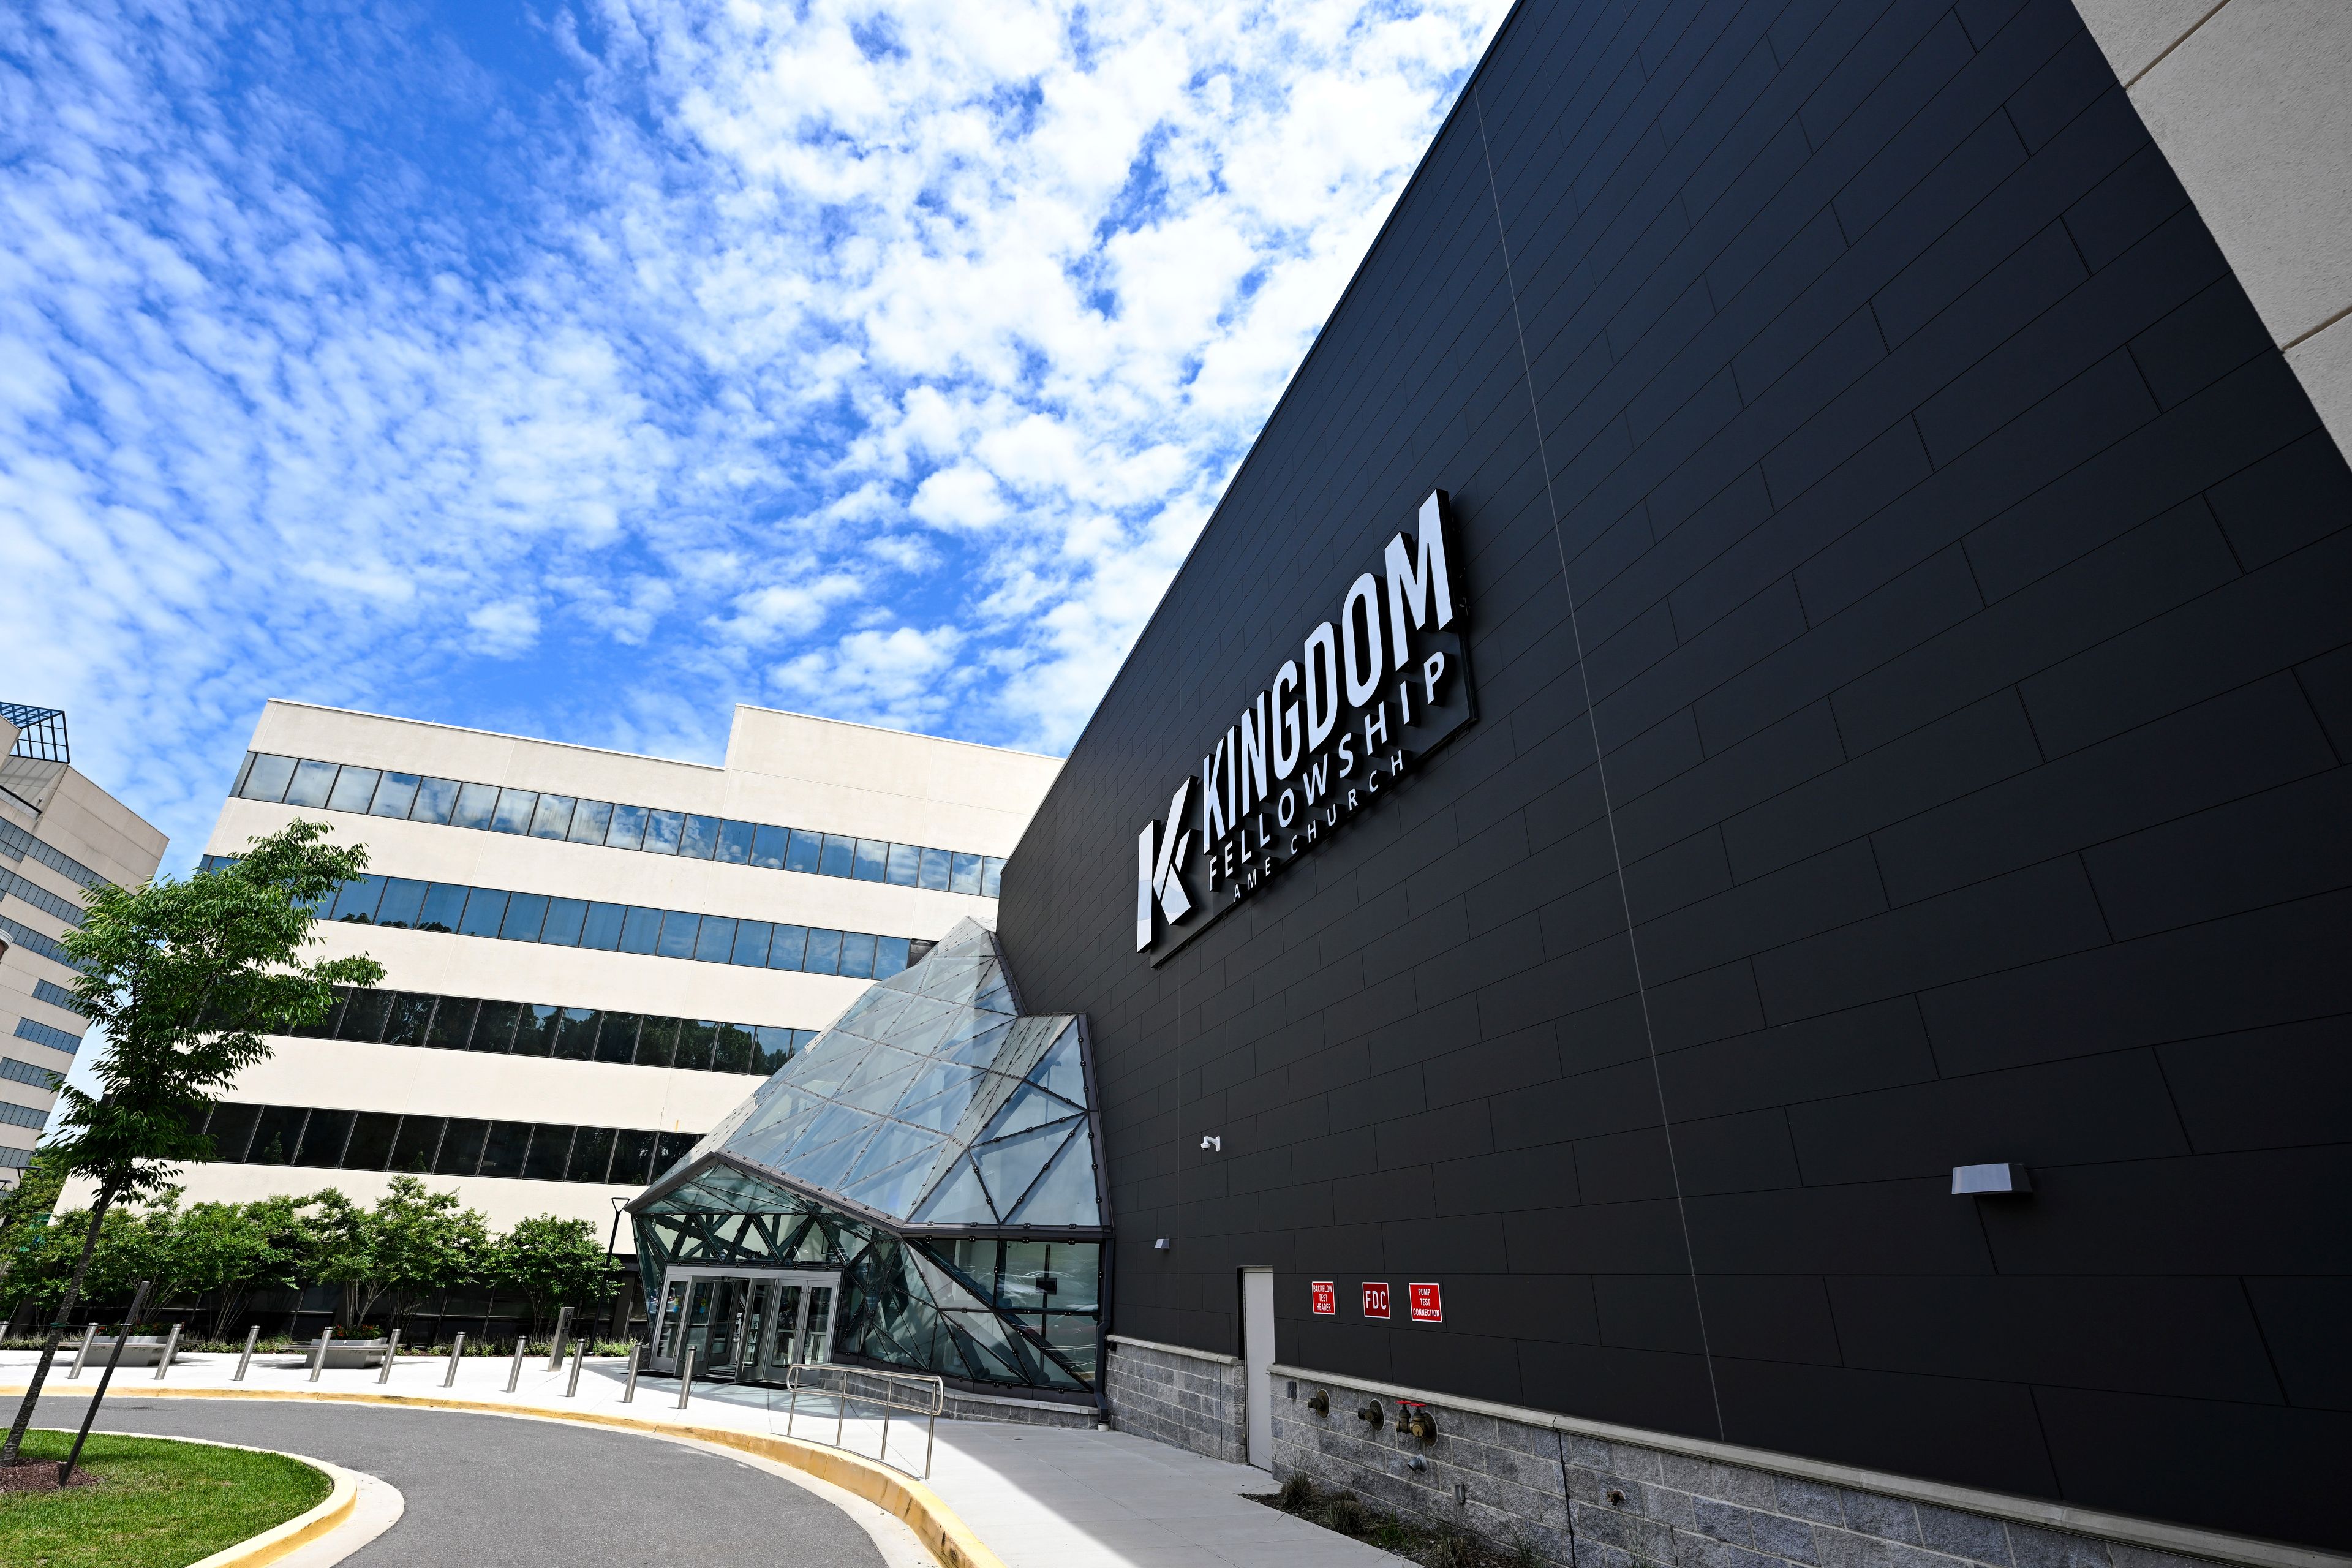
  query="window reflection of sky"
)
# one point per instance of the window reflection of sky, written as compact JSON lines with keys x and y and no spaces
{"x":538,"y":815}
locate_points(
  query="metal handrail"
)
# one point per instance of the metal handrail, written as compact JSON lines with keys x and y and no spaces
{"x":889,"y":1399}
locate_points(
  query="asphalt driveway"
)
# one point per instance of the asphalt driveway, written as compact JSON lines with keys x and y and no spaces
{"x":488,"y":1491}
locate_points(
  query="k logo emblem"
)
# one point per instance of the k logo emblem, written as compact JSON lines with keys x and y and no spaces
{"x":1158,"y":863}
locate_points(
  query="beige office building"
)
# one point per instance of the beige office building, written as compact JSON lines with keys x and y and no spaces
{"x":60,"y":835}
{"x":590,"y":957}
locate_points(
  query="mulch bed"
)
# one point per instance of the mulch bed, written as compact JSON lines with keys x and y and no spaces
{"x":1433,"y":1547}
{"x":41,"y":1476}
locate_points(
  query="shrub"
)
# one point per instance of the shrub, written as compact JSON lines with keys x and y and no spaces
{"x":1455,"y":1550}
{"x":1345,"y":1514}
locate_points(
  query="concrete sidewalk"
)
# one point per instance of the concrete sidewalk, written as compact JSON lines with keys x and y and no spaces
{"x":1037,"y":1497}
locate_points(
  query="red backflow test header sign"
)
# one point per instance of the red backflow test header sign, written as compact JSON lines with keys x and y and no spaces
{"x":1424,"y":1301}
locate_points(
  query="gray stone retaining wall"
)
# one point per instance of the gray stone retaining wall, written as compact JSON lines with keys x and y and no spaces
{"x":1186,"y":1398}
{"x":1601,"y":1503}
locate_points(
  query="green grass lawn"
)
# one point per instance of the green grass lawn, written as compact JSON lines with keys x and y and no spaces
{"x":160,"y":1504}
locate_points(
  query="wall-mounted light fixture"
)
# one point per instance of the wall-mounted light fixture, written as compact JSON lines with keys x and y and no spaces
{"x":1162,"y":1245}
{"x":1212,"y":1142}
{"x":1984,"y":1181}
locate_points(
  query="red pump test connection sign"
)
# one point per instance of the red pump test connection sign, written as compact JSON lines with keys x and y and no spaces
{"x":1376,"y":1299}
{"x":1426,"y":1307}
{"x":1327,"y":1297}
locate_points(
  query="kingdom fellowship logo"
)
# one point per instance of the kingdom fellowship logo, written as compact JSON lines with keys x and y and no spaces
{"x":1371,"y":692}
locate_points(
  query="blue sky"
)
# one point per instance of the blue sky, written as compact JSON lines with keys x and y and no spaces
{"x":581,"y":370}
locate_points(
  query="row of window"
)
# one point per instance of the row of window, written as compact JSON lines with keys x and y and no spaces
{"x":17,"y":844}
{"x":22,"y":1115}
{"x":540,"y":813}
{"x":26,"y":1072}
{"x":15,"y":1159}
{"x":406,"y":903}
{"x":440,"y":1145}
{"x":574,"y":1034}
{"x":45,"y":1035}
{"x":40,"y":898}
{"x":31,"y":941}
{"x":54,"y":995}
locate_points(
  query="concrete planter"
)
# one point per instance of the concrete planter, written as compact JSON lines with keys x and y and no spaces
{"x":348,"y":1354}
{"x":140,"y":1351}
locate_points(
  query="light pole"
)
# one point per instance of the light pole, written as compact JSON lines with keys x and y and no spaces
{"x":621,"y":1294}
{"x":620,"y":1207}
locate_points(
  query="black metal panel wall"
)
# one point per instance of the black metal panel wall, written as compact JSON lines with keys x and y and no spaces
{"x":1910,"y":598}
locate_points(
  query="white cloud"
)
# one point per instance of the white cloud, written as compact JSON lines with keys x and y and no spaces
{"x":883,"y":361}
{"x":504,"y":629}
{"x":962,"y":497}
{"x":903,"y":677}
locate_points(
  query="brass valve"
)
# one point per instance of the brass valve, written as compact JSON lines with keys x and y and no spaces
{"x":1373,"y":1414}
{"x":1321,"y":1403}
{"x":1421,"y":1424}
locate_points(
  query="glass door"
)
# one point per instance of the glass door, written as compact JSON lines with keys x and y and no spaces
{"x":694,"y":1333}
{"x":784,"y":1343}
{"x":816,"y":1324}
{"x":723,"y":1329}
{"x":665,"y":1324}
{"x":754,"y":1294}
{"x":747,"y":1327}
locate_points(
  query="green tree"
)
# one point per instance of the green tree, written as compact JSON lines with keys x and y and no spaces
{"x":265,"y":1248}
{"x":210,"y":1247}
{"x":183,"y":977}
{"x":28,"y":1204}
{"x":553,"y":1263}
{"x":117,"y":1257}
{"x":140,"y":1242}
{"x":340,"y":1250}
{"x":26,"y":1210}
{"x":413,"y":1243}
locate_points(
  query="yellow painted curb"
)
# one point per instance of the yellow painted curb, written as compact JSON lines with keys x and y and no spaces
{"x":329,"y":1514}
{"x":921,"y":1510}
{"x":299,"y":1531}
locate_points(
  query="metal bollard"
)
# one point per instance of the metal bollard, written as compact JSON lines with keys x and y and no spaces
{"x":390,"y":1354}
{"x":685,"y":1376}
{"x":514,"y":1373}
{"x":245,"y":1359}
{"x":82,"y":1354}
{"x":885,"y":1455}
{"x":171,"y":1348}
{"x":555,"y":1347}
{"x":456,"y":1349}
{"x":318,"y":1356}
{"x":579,"y":1354}
{"x":629,"y":1390}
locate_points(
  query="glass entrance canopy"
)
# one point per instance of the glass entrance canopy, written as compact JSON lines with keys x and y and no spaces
{"x":935,"y":1147}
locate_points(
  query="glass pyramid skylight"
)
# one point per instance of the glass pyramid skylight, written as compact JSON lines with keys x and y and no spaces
{"x":931,"y":1104}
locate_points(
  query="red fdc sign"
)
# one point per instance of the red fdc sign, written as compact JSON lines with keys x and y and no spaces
{"x":1376,"y":1299}
{"x":1327,"y":1297}
{"x":1426,"y":1307}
